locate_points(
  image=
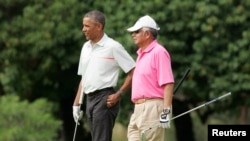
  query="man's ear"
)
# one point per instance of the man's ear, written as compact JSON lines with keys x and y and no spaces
{"x":147,"y":34}
{"x":99,"y":26}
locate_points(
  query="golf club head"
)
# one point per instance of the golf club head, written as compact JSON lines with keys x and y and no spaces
{"x":143,"y":133}
{"x":143,"y":136}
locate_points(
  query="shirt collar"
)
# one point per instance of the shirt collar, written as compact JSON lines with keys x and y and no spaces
{"x":100,"y":42}
{"x":103,"y":40}
{"x":148,"y":48}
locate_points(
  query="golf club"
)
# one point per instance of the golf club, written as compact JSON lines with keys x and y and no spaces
{"x":81,"y":113}
{"x":180,"y":82}
{"x":143,"y":134}
{"x":143,"y":137}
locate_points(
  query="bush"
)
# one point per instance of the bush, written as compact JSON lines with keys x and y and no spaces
{"x":24,"y":121}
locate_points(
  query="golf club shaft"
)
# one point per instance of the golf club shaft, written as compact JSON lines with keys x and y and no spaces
{"x":143,"y":137}
{"x":77,"y":123}
{"x":205,"y":104}
{"x":182,"y":79}
{"x":75,"y":131}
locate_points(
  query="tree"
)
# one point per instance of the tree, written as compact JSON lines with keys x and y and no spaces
{"x":24,"y":121}
{"x":41,"y":40}
{"x":40,"y":44}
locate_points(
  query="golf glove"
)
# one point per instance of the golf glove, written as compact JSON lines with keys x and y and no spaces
{"x":165,"y":120}
{"x":77,"y":113}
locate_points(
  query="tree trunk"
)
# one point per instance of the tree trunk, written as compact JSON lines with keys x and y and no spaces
{"x":243,"y":110}
{"x":243,"y":114}
{"x":183,"y":124}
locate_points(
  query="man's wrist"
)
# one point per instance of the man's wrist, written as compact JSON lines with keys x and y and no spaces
{"x":167,"y":110}
{"x":121,"y":92}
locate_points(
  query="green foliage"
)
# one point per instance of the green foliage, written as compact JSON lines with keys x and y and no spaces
{"x":40,"y":44}
{"x":24,"y":121}
{"x":210,"y":37}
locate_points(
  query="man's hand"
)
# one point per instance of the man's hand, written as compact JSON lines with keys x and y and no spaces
{"x":165,"y":120}
{"x":77,"y":114}
{"x":113,"y":99}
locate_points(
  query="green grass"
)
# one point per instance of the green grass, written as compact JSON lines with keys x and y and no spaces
{"x":120,"y":133}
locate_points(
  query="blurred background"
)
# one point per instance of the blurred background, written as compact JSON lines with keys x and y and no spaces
{"x":40,"y":44}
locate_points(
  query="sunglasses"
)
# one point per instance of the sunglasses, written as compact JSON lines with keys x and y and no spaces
{"x":136,"y":32}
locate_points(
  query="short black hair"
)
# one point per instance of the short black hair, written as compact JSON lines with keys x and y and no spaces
{"x":97,"y":16}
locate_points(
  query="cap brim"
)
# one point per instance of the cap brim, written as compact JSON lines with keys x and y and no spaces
{"x":133,"y":28}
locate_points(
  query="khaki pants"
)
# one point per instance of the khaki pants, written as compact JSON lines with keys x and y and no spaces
{"x":146,"y":115}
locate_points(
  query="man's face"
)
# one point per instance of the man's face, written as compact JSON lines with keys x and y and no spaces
{"x":90,"y":28}
{"x":138,"y":37}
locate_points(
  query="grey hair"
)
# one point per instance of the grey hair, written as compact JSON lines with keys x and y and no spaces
{"x":153,"y":32}
{"x":97,"y":16}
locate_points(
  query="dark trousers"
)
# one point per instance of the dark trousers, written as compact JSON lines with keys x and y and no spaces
{"x":101,"y":119}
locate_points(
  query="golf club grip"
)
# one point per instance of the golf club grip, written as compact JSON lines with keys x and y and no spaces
{"x":182,"y":79}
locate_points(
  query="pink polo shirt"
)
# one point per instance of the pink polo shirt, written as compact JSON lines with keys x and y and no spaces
{"x":153,"y":70}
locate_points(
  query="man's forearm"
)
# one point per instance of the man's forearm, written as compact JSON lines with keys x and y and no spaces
{"x":168,"y":95}
{"x":127,"y":82}
{"x":78,"y":94}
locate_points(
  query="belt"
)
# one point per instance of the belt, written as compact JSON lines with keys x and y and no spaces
{"x":100,"y":90}
{"x":143,"y":100}
{"x":140,"y":101}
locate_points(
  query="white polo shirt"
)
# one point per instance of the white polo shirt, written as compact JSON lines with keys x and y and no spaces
{"x":100,"y":64}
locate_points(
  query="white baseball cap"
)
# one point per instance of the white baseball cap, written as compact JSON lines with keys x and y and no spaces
{"x":145,"y":21}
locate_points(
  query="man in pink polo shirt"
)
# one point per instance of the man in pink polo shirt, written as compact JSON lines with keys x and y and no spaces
{"x":152,"y":83}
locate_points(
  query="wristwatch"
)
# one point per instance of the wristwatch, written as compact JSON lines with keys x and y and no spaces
{"x":120,"y":92}
{"x":166,"y":110}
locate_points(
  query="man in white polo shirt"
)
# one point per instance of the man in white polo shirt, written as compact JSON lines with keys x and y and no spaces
{"x":100,"y":62}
